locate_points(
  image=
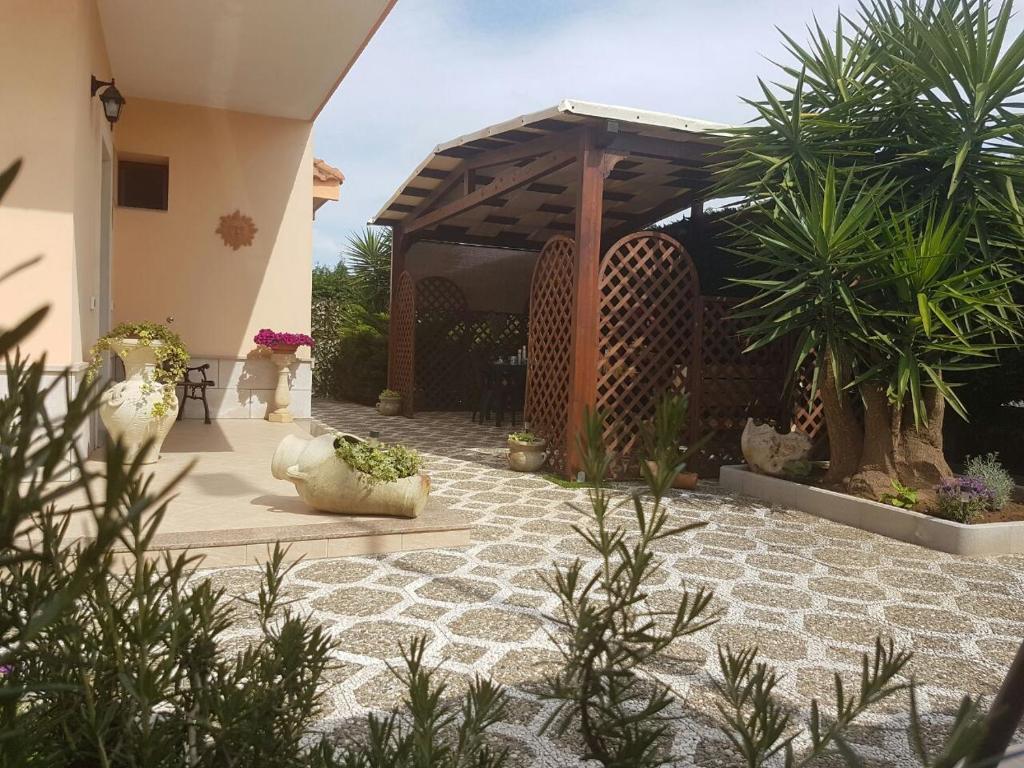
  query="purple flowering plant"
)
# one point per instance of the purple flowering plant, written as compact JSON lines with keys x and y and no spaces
{"x":269,"y":338}
{"x":963,"y":498}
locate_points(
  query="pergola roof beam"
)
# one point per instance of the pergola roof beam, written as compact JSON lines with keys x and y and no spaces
{"x":504,"y":182}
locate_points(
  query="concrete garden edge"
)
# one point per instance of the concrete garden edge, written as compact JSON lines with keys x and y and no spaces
{"x":977,"y":540}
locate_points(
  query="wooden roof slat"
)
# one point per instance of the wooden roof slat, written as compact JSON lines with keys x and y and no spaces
{"x":505,"y":182}
{"x":517,"y":182}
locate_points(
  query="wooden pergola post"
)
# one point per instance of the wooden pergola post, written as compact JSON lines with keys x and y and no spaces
{"x":400,"y":243}
{"x":585,"y":301}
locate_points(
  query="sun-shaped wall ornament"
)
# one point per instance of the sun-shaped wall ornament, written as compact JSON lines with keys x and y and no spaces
{"x":236,"y":229}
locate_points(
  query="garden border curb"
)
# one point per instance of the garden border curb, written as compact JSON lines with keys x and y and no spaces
{"x":978,"y":540}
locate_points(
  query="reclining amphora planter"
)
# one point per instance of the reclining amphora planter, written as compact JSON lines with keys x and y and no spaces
{"x":327,"y":483}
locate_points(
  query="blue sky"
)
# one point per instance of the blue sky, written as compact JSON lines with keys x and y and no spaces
{"x":438,"y":69}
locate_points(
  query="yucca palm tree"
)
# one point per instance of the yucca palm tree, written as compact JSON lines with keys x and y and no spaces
{"x":368,"y":256}
{"x":884,"y":180}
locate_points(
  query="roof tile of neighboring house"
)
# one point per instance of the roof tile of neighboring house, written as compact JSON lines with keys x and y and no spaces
{"x":324,"y":172}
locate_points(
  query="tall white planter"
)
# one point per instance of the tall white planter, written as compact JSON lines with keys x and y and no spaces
{"x":282,"y":358}
{"x":126,"y":407}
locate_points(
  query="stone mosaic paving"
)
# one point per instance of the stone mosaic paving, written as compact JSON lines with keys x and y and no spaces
{"x":810,"y":593}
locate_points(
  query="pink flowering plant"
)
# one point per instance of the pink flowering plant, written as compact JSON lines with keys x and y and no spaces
{"x":272,"y":339}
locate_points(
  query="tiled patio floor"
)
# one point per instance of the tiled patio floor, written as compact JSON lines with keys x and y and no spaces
{"x":810,"y":593}
{"x":229,"y":506}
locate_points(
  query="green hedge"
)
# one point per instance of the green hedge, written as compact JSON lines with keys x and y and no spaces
{"x":351,"y":351}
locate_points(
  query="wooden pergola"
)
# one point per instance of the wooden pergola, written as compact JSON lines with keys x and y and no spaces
{"x":578,"y":184}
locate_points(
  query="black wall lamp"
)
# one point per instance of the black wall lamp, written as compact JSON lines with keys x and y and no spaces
{"x":111,"y":99}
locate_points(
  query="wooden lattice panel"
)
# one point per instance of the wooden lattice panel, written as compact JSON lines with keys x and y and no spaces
{"x":808,"y":411}
{"x":731,"y":385}
{"x":402,"y":344}
{"x":550,"y":346}
{"x":647,"y":335}
{"x":441,"y":363}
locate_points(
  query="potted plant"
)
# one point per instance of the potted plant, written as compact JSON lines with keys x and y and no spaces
{"x":282,"y":346}
{"x":142,"y":407}
{"x":661,"y":439}
{"x":389,"y":402}
{"x":526,"y":451}
{"x":345,"y":474}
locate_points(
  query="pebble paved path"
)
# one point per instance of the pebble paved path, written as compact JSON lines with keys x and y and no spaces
{"x":810,"y":593}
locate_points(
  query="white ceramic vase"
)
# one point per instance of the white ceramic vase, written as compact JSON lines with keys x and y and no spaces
{"x":126,"y":407}
{"x":327,"y":483}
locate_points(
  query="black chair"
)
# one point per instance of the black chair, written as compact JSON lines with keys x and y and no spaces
{"x":502,"y":387}
{"x":196,"y":390}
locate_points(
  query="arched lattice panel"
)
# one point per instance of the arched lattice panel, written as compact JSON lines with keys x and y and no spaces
{"x":647,"y":335}
{"x":550,"y":346}
{"x":402,"y":344}
{"x":441,"y":375}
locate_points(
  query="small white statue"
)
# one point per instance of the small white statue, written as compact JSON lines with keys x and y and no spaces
{"x":768,"y":452}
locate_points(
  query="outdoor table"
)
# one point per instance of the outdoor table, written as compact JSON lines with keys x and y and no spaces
{"x":504,"y":390}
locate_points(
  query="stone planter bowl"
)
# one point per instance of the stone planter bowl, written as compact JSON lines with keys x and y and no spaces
{"x":389,"y":406}
{"x":526,"y":457}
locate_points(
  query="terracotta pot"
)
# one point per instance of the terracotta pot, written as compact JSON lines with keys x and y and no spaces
{"x":526,"y":457}
{"x":325,"y":482}
{"x":126,"y":407}
{"x":389,"y":406}
{"x":685,"y":481}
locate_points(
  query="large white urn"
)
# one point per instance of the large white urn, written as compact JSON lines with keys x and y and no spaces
{"x":327,"y":483}
{"x":126,"y":407}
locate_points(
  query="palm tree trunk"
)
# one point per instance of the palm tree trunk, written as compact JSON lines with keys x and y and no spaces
{"x":876,"y":466}
{"x":845,"y":436}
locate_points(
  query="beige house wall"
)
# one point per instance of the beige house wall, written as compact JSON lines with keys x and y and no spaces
{"x":163,"y":263}
{"x":173,"y":263}
{"x":53,"y":208}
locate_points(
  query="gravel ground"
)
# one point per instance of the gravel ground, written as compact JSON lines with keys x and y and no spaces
{"x":811,"y":594}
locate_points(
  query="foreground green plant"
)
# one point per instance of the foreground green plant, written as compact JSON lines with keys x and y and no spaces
{"x":606,"y":632}
{"x":431,"y":733}
{"x":663,"y":435}
{"x":129,"y":661}
{"x":378,"y":463}
{"x":608,"y":636}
